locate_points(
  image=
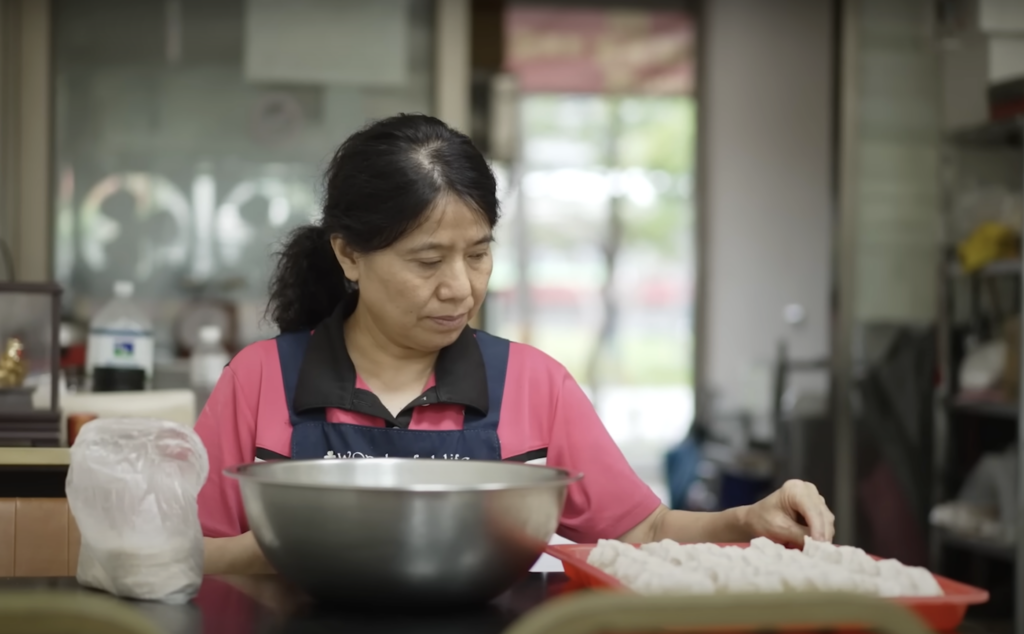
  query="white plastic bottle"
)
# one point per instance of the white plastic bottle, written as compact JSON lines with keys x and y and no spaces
{"x":207,"y":362}
{"x":119,"y":355}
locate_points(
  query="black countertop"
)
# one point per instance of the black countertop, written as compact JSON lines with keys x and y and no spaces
{"x":266,"y":605}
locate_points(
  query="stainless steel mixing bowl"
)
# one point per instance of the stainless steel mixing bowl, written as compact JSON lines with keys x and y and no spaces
{"x":428,"y":533}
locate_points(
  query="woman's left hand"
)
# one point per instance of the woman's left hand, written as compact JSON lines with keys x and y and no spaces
{"x":789,"y":514}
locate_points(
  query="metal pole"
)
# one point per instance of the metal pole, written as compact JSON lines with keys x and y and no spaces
{"x":453,"y":27}
{"x":845,"y":279}
{"x":1018,"y":604}
{"x":521,"y":224}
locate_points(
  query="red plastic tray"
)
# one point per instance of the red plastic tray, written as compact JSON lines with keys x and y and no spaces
{"x":940,"y":613}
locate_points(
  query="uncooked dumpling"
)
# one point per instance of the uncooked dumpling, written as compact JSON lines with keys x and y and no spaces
{"x":667,"y":567}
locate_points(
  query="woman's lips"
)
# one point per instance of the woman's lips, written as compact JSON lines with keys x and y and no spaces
{"x":450,"y":322}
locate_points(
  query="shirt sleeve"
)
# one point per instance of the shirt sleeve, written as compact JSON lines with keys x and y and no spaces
{"x":611,"y":498}
{"x":227,"y":428}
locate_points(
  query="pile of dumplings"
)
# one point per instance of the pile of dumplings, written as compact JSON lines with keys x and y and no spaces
{"x":669,"y":568}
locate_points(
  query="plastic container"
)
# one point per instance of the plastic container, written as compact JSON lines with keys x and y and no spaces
{"x":941,"y":613}
{"x":132,"y":486}
{"x":120,"y":350}
{"x":208,"y":359}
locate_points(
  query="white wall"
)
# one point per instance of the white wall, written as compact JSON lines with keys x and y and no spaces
{"x":768,"y":155}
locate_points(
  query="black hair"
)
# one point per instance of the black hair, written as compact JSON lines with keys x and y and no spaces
{"x":380,"y":185}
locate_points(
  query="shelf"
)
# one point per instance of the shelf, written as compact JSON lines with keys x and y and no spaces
{"x":1003,"y":410}
{"x":994,"y":134}
{"x":34,"y":456}
{"x":32,"y":417}
{"x":1002,"y":267}
{"x":977,"y":545}
{"x":999,"y":268}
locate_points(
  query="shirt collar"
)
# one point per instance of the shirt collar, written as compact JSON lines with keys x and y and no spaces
{"x":327,"y":377}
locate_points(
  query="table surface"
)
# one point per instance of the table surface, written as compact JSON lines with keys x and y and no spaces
{"x":266,"y":605}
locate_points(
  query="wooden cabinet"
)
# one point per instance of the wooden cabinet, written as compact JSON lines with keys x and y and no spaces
{"x":38,"y":538}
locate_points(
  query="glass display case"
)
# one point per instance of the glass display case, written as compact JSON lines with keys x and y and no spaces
{"x":29,"y":364}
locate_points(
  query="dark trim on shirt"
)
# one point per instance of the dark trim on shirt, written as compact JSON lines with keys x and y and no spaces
{"x":536,"y":454}
{"x":266,"y":454}
{"x":327,"y":377}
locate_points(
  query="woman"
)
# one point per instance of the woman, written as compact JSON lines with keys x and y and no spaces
{"x":377,"y":359}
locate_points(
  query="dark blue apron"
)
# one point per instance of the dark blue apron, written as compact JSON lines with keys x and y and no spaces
{"x":314,"y":437}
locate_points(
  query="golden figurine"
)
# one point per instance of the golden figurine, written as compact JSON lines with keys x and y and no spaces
{"x":12,"y":366}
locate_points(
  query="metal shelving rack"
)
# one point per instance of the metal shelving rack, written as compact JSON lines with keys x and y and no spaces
{"x":1016,"y":133}
{"x":997,"y":135}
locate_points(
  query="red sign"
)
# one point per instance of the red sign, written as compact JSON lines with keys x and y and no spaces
{"x":625,"y":51}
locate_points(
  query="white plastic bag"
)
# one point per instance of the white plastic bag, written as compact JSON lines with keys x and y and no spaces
{"x":132,"y":488}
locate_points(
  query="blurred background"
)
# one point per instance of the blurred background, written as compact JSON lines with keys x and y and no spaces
{"x":771,"y":238}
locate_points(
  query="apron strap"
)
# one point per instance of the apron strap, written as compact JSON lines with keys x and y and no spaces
{"x":291,"y":350}
{"x":495,"y":353}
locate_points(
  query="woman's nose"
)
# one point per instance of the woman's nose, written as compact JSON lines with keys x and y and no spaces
{"x":456,"y":285}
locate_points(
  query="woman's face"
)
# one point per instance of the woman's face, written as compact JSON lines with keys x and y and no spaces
{"x":422,"y":291}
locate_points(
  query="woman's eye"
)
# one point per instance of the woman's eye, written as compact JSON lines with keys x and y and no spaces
{"x":429,"y":263}
{"x":478,"y":256}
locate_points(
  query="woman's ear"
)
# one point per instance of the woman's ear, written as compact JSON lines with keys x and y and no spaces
{"x":347,"y":257}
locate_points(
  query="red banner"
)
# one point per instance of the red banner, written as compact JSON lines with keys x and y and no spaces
{"x":624,"y":51}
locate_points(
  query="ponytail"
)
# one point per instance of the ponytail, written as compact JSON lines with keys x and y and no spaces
{"x":308,"y":283}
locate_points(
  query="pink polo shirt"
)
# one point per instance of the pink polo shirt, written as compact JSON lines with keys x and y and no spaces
{"x":542,"y":407}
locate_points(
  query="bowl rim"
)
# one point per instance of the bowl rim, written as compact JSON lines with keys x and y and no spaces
{"x":241,"y":472}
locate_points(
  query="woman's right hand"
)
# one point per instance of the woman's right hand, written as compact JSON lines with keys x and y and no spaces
{"x":238,"y":555}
